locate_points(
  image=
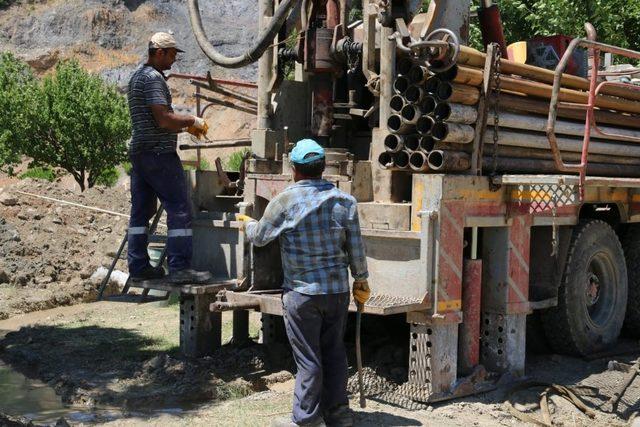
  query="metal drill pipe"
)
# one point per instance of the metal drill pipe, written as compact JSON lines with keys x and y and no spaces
{"x":563,"y":127}
{"x":448,"y":161}
{"x":566,"y":144}
{"x":424,"y":125}
{"x":455,"y":113}
{"x":457,"y":94}
{"x":427,"y":143}
{"x":415,"y":94}
{"x":535,"y":153}
{"x":512,"y":165}
{"x":395,"y":124}
{"x":418,"y":75}
{"x":418,"y":161}
{"x":412,"y":143}
{"x":474,"y":77}
{"x":404,"y":66}
{"x":385,"y":160}
{"x":401,"y":159}
{"x":431,"y":85}
{"x":428,"y":105}
{"x":474,"y":58}
{"x":401,"y":84}
{"x":394,"y":143}
{"x":397,"y":103}
{"x":453,"y":132}
{"x":535,"y":106}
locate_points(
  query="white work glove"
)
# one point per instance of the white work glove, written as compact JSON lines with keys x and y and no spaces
{"x":199,"y":123}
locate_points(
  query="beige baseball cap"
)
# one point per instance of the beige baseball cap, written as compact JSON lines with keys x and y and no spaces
{"x":163,"y":41}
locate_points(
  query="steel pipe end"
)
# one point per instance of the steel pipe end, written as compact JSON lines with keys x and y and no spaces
{"x":431,"y":85}
{"x":410,"y":113}
{"x":442,"y":111}
{"x":428,"y":105}
{"x":385,"y":160}
{"x":418,"y":161}
{"x":401,"y":84}
{"x":394,"y":123}
{"x":414,"y":94}
{"x":412,"y":143}
{"x":440,"y":131}
{"x":401,"y":159}
{"x":424,"y":125}
{"x":427,"y":143}
{"x":393,"y":143}
{"x":397,"y":103}
{"x":435,"y":160}
{"x":444,"y":91}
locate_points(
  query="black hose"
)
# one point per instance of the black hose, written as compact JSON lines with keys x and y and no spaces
{"x":252,"y":55}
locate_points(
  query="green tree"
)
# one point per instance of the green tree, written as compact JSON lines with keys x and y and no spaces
{"x":81,"y":124}
{"x":16,"y":83}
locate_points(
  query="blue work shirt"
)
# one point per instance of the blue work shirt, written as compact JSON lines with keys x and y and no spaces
{"x":319,"y":233}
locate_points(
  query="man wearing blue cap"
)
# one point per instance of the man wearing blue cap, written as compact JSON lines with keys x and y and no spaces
{"x":319,"y":233}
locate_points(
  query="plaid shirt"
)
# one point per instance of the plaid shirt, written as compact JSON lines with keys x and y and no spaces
{"x":319,"y":233}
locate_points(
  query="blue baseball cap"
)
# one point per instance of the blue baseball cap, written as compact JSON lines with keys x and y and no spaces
{"x":305,"y":147}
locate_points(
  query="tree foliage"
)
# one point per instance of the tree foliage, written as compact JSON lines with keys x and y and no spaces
{"x":616,"y":21}
{"x":16,"y":81}
{"x":80,"y":124}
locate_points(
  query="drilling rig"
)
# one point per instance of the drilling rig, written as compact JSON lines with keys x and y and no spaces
{"x":491,"y":192}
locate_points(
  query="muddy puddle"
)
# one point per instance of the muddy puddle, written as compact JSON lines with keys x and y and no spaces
{"x":32,"y":399}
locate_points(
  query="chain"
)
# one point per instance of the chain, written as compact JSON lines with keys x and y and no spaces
{"x":496,"y":108}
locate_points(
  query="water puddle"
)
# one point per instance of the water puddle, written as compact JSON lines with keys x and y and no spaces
{"x":33,"y":399}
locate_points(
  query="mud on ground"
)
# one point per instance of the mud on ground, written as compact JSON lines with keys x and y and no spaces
{"x":125,"y":356}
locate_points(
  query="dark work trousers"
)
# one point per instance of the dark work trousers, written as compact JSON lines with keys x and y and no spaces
{"x":315,"y":326}
{"x":159,"y":176}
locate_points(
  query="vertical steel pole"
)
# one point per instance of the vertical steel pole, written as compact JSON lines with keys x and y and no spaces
{"x":265,"y":64}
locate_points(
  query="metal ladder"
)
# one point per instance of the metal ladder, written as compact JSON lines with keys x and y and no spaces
{"x":153,"y":238}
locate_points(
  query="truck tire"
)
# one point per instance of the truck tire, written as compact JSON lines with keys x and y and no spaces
{"x":592,"y":297}
{"x":631,"y":246}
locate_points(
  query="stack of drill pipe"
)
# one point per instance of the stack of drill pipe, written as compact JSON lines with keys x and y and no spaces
{"x":426,"y":109}
{"x":522,"y":145}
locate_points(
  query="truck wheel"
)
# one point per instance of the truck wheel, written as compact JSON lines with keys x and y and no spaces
{"x":592,"y":297}
{"x":631,"y":246}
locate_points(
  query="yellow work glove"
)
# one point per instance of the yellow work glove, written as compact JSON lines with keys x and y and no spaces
{"x":244,"y":219}
{"x":199,"y":128}
{"x":361,"y":291}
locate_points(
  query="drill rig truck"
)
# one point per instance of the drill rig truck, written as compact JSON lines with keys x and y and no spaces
{"x":492,"y":192}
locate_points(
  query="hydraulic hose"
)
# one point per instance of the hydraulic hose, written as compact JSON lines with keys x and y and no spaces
{"x":252,"y":55}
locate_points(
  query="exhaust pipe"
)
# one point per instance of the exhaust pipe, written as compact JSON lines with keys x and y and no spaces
{"x":415,"y":94}
{"x":401,"y":84}
{"x":394,"y":143}
{"x":453,"y":132}
{"x":385,"y":160}
{"x":418,"y":161}
{"x":401,"y":159}
{"x":424,"y":125}
{"x":455,"y":113}
{"x":448,"y":161}
{"x":397,"y":103}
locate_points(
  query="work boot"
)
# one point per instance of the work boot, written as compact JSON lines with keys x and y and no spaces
{"x":148,"y":273}
{"x":189,"y":276}
{"x":339,"y":416}
{"x":287,"y":422}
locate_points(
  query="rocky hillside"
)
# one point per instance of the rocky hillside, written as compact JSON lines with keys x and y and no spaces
{"x":109,"y":36}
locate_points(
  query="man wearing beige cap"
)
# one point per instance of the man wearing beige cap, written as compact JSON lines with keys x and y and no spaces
{"x":156,"y":170}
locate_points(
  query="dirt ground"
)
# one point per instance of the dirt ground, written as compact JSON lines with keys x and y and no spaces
{"x":125,"y":357}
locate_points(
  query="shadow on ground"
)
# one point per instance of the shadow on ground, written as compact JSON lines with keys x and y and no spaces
{"x":92,"y":365}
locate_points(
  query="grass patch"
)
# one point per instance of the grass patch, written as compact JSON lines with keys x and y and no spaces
{"x":204,"y":165}
{"x":108,"y":178}
{"x":235,"y":160}
{"x":126,"y":166}
{"x":39,"y":172}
